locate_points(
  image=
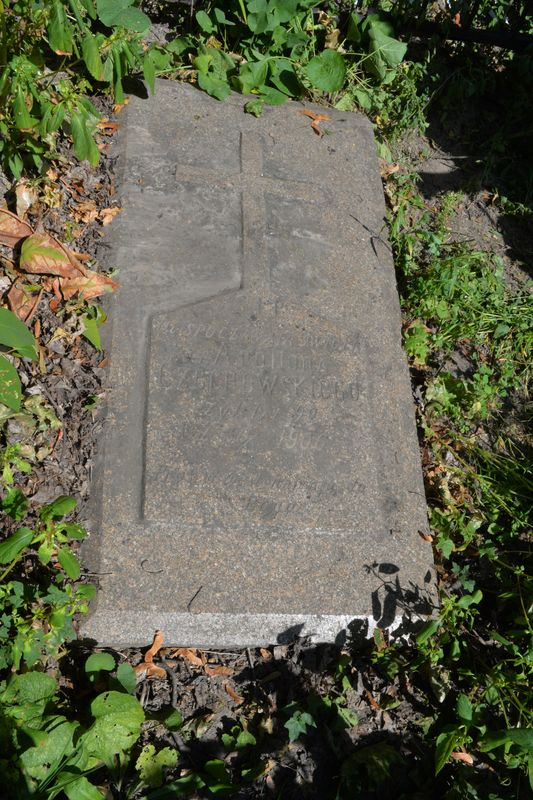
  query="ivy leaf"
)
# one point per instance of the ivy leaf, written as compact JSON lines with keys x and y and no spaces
{"x":10,"y":388}
{"x":326,"y":71}
{"x":298,"y":724}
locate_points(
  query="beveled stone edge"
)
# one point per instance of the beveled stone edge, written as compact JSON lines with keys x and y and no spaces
{"x":222,"y":631}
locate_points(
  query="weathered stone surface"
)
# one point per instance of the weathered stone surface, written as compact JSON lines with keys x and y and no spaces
{"x":261,"y":472}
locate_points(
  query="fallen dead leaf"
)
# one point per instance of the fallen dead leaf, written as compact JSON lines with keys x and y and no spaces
{"x":213,"y":672}
{"x":108,"y":214}
{"x":26,"y":196}
{"x":372,"y":700}
{"x":189,"y":655}
{"x":46,"y":256}
{"x":12,"y":229}
{"x":119,"y":106}
{"x":233,"y":694}
{"x":155,"y":647}
{"x":316,"y":119}
{"x":466,"y":757}
{"x":90,"y":284}
{"x":266,"y":654}
{"x":147,"y":669}
{"x":23,"y":301}
{"x":107,"y":127}
{"x":387,"y":169}
{"x":86,"y":211}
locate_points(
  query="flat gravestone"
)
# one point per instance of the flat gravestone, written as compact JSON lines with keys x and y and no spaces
{"x":261,"y":475}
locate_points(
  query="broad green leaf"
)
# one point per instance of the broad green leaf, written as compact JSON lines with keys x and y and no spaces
{"x":149,"y":77}
{"x":12,"y":546}
{"x":29,"y":688}
{"x":245,"y":739}
{"x":272,"y":97}
{"x":100,"y":661}
{"x":174,"y":720}
{"x":298,"y":724}
{"x":326,"y":71}
{"x":39,"y":761}
{"x":116,"y":728}
{"x":150,"y":765}
{"x":120,"y":13}
{"x":204,"y":22}
{"x":127,"y":677}
{"x":470,"y":599}
{"x":259,"y":19}
{"x":84,"y":144}
{"x":464,"y":708}
{"x":21,"y":115}
{"x":10,"y":388}
{"x":72,"y":530}
{"x":428,"y":630}
{"x":216,"y":87}
{"x":33,"y":247}
{"x":14,"y":504}
{"x":353,"y":34}
{"x":60,"y":31}
{"x":81,"y":789}
{"x":91,"y":55}
{"x":15,"y":334}
{"x":252,"y":75}
{"x":69,"y":562}
{"x":446,"y":743}
{"x":59,"y":508}
{"x":91,"y":331}
{"x":385,"y":53}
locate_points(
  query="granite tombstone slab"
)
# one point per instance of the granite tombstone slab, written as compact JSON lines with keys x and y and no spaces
{"x":260,"y":476}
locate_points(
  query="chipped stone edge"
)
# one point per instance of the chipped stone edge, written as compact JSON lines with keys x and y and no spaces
{"x":225,"y":631}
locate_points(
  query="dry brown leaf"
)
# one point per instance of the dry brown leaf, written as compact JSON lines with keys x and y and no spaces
{"x":26,"y":196}
{"x":372,"y":700}
{"x":22,"y":301}
{"x":86,"y":211}
{"x":233,"y":694}
{"x":155,"y":647}
{"x":266,"y":654}
{"x":47,"y":256}
{"x":119,"y":106}
{"x":189,"y":655}
{"x":107,"y":127}
{"x":12,"y":229}
{"x":315,"y":118}
{"x":387,"y":169}
{"x":149,"y":670}
{"x":466,"y":757}
{"x":108,"y":214}
{"x":90,"y":284}
{"x":214,"y":671}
